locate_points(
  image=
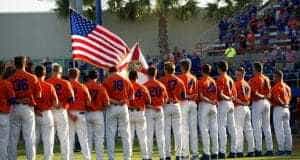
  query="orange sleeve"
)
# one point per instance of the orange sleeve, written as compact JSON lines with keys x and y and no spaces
{"x":147,"y":96}
{"x":182,"y":91}
{"x":87,"y":94}
{"x":165,"y":94}
{"x":10,"y":91}
{"x":53,"y":95}
{"x":105,"y":97}
{"x":37,"y":89}
{"x":70,"y":92}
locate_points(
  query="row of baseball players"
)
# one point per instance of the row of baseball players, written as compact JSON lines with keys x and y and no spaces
{"x":41,"y":108}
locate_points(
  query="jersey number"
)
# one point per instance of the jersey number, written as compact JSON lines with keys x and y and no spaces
{"x":94,"y":94}
{"x":138,"y":94}
{"x":172,"y":85}
{"x":155,"y":92}
{"x":58,"y":88}
{"x":118,"y":85}
{"x":21,"y":85}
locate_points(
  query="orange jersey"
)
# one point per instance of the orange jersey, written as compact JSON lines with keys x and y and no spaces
{"x":141,"y":97}
{"x":49,"y":97}
{"x":26,"y":86}
{"x":225,"y":84}
{"x":190,"y":83}
{"x":7,"y":95}
{"x":261,"y":84}
{"x":175,"y":88}
{"x":119,"y":88}
{"x":158,"y":93}
{"x":281,"y":91}
{"x":64,"y":91}
{"x":242,"y":92}
{"x":99,"y":96}
{"x":82,"y":96}
{"x":208,"y":88}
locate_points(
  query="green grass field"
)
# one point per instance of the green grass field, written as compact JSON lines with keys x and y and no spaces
{"x":136,"y":153}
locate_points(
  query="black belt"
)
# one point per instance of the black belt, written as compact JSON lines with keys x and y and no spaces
{"x":81,"y":112}
{"x":134,"y":109}
{"x":172,"y":102}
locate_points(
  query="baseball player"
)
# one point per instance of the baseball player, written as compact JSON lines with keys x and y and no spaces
{"x":172,"y":111}
{"x":242,"y":114}
{"x":65,"y":95}
{"x":189,"y":111}
{"x":120,"y":91}
{"x":281,"y":97}
{"x":225,"y":87}
{"x":260,"y":92}
{"x":95,"y":114}
{"x":137,"y":113}
{"x":155,"y":114}
{"x":26,"y":87}
{"x":7,"y":99}
{"x":76,"y":112}
{"x":44,"y":117}
{"x":207,"y":92}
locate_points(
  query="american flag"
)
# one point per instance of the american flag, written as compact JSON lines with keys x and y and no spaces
{"x":95,"y":44}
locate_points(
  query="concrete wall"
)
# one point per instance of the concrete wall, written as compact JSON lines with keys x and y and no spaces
{"x":42,"y":35}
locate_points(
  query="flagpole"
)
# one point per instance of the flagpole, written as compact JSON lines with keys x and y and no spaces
{"x":78,"y":6}
{"x":99,"y":21}
{"x":99,"y":12}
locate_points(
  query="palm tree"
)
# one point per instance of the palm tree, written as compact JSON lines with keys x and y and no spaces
{"x":136,"y":10}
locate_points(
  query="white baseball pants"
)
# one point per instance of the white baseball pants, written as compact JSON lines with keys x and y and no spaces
{"x":22,"y":119}
{"x":4,"y":134}
{"x":226,"y":119}
{"x":138,"y":125}
{"x":189,"y":128}
{"x":61,"y":127}
{"x":79,"y":127}
{"x":208,"y":128}
{"x":96,"y":132}
{"x":172,"y":113}
{"x":155,"y":123}
{"x":261,"y":121}
{"x":281,"y":121}
{"x":45,"y":128}
{"x":243,"y":126}
{"x":118,"y":115}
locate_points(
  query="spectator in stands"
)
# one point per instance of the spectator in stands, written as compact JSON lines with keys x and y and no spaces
{"x":251,"y":40}
{"x":196,"y":63}
{"x":293,"y":37}
{"x":290,"y":55}
{"x":253,"y":24}
{"x":230,"y":54}
{"x":223,"y":28}
{"x":242,"y":42}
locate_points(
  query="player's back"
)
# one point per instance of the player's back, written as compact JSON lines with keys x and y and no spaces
{"x":7,"y":95}
{"x":226,"y":85}
{"x":26,"y":86}
{"x":207,"y":86}
{"x":261,"y":84}
{"x":82,"y":96}
{"x":158,"y":92}
{"x":99,"y":97}
{"x":118,"y":87}
{"x":175,"y":88}
{"x":63,"y":90}
{"x":141,"y":96}
{"x":45,"y":102}
{"x":190,"y":83}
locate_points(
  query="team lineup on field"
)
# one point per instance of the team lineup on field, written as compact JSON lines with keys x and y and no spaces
{"x":225,"y":109}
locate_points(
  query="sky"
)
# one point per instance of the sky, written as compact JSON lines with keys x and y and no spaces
{"x":43,"y":5}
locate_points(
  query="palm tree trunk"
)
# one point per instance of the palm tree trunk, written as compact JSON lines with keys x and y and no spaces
{"x":163,"y":42}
